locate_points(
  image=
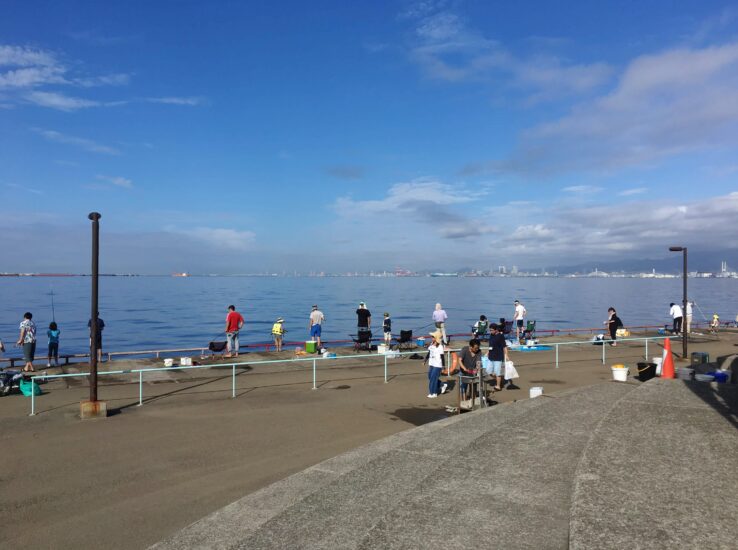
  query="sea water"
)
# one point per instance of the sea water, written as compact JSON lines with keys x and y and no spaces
{"x":181,"y":312}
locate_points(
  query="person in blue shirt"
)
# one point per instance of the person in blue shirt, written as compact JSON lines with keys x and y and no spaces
{"x":53,"y":335}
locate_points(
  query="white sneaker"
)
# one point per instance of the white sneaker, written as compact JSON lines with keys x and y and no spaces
{"x":444,"y":388}
{"x":48,"y":365}
{"x":432,"y":395}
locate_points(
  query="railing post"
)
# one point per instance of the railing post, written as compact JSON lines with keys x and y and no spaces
{"x":314,"y":380}
{"x":233,"y":381}
{"x":385,"y":368}
{"x":647,"y":350}
{"x":557,"y":356}
{"x":33,"y":400}
{"x":603,"y":351}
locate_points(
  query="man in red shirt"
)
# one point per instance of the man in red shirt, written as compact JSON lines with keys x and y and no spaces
{"x":234,"y":323}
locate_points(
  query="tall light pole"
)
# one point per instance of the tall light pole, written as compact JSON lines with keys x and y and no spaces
{"x":683,"y":250}
{"x":94,"y":218}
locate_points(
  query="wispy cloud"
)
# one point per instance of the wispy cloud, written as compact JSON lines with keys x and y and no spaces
{"x":582,"y":189}
{"x":82,"y":143}
{"x":220,"y":238}
{"x":674,"y":102}
{"x":60,"y":101}
{"x":425,"y":203}
{"x":447,"y":48}
{"x":634,"y":191}
{"x":24,"y":188}
{"x":39,"y":77}
{"x":117,"y":181}
{"x":190,"y":101}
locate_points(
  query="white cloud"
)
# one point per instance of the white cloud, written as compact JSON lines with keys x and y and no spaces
{"x":60,"y":101}
{"x":191,"y":101}
{"x":226,"y":239}
{"x":24,"y":188}
{"x":116,"y":180}
{"x":22,"y":56}
{"x":120,"y":79}
{"x":582,"y":189}
{"x":82,"y":143}
{"x":634,"y":191}
{"x":422,"y":205}
{"x":446,"y":48}
{"x":674,"y":102}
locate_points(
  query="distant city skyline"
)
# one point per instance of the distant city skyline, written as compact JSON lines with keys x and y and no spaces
{"x":331,"y":136}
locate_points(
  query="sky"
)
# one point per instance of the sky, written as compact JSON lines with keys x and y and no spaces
{"x":238,"y":137}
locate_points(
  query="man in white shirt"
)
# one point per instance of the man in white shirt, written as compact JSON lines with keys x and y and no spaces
{"x":519,"y":318}
{"x":676,"y":314}
{"x":689,"y":317}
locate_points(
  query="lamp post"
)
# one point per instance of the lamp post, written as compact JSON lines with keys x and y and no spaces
{"x":94,"y":218}
{"x":683,"y":250}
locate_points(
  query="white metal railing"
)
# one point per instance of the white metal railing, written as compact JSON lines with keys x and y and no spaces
{"x":313,"y":360}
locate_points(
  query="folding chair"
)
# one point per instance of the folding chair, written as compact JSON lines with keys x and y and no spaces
{"x":363,"y":340}
{"x":405,"y":341}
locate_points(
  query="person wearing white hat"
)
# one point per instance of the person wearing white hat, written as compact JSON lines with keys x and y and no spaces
{"x":278,"y":333}
{"x":435,"y":364}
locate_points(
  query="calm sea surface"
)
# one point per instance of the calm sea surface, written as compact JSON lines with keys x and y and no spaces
{"x":165,"y":312}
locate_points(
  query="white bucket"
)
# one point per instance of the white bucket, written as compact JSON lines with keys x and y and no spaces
{"x":658,"y":361}
{"x":535,"y":391}
{"x":185,"y":361}
{"x":169,"y":362}
{"x":382,"y":348}
{"x":619,"y":374}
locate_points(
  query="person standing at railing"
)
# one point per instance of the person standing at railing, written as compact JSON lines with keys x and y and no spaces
{"x":689,"y":317}
{"x":676,"y":314}
{"x":613,"y":324}
{"x":234,"y":323}
{"x":278,"y":333}
{"x":440,"y":318}
{"x":363,"y":318}
{"x":53,"y":336}
{"x":316,"y":324}
{"x":98,"y":336}
{"x":387,"y":329}
{"x":519,"y":318}
{"x":27,"y":339}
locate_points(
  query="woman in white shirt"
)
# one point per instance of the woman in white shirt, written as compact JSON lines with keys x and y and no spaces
{"x":435,"y":364}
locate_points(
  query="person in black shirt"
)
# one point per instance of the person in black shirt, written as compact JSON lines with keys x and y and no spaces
{"x":387,"y":329}
{"x":470,"y":360}
{"x":364,"y":317}
{"x":613,"y":324}
{"x":497,"y":354}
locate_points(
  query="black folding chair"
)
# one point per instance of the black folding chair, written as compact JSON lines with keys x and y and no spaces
{"x":405,"y":341}
{"x":362,"y":341}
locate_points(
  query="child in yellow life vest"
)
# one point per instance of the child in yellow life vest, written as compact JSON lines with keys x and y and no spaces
{"x":715,"y":323}
{"x":277,"y":333}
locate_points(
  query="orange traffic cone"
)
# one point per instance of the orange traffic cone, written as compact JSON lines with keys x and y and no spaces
{"x":667,"y":366}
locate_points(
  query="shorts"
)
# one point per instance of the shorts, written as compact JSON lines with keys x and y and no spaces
{"x":29,"y":351}
{"x":494,"y":368}
{"x":53,"y":349}
{"x":520,"y":323}
{"x":315,"y":330}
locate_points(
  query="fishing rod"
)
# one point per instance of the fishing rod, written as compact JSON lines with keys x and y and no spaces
{"x":53,"y":311}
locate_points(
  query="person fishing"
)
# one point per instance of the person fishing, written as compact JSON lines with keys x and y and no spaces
{"x":53,"y":335}
{"x":278,"y":333}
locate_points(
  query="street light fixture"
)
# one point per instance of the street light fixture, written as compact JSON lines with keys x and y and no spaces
{"x":683,"y":250}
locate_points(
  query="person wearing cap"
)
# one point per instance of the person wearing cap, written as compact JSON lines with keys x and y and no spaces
{"x":316,"y":324}
{"x":364,"y":317}
{"x":439,"y":318}
{"x":278,"y":333}
{"x":435,"y":365}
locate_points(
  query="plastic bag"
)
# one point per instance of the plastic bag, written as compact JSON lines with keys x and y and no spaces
{"x":510,"y":371}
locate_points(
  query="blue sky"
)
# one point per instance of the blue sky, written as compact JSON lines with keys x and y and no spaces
{"x":234,"y":137}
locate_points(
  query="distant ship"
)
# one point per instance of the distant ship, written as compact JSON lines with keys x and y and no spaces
{"x":444,"y":274}
{"x":183,"y":274}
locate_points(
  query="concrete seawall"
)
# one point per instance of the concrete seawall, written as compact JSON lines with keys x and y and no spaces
{"x":612,"y":465}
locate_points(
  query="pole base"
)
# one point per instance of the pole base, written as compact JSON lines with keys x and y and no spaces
{"x":93,"y":409}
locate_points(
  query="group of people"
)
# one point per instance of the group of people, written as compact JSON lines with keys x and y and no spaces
{"x":470,"y":360}
{"x":679,"y":323}
{"x":28,"y":338}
